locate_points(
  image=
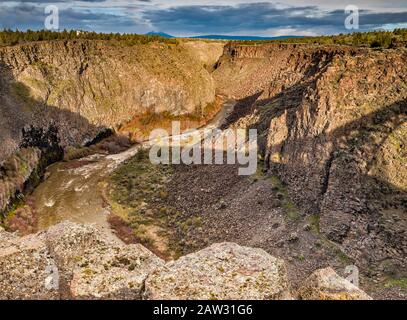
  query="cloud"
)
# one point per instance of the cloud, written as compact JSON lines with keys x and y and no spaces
{"x":32,"y":16}
{"x":256,"y":17}
{"x":204,"y":17}
{"x":209,"y":19}
{"x":48,"y":1}
{"x":260,"y":16}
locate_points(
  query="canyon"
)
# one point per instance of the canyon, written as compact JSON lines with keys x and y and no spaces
{"x":331,"y":183}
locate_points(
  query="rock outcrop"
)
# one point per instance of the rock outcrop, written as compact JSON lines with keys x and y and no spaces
{"x":332,"y":126}
{"x":70,"y":261}
{"x":326,"y":284}
{"x":115,"y":273}
{"x":5,"y":236}
{"x":224,"y":271}
{"x":85,"y":86}
{"x":57,"y":94}
{"x":93,"y":266}
{"x":28,"y":271}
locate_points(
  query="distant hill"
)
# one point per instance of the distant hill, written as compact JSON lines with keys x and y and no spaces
{"x":160,"y":34}
{"x":223,"y":37}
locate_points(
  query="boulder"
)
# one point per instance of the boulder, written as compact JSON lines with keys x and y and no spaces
{"x":118,"y":273}
{"x":326,"y":284}
{"x":71,"y":261}
{"x":27,"y":269}
{"x":96,"y":267}
{"x":68,"y":242}
{"x":221,"y":271}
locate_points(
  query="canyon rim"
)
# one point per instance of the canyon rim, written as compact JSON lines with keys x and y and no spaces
{"x":100,"y":200}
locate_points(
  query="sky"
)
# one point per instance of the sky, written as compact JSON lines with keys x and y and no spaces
{"x":200,"y":17}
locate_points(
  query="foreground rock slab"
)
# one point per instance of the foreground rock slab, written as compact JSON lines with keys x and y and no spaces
{"x":72,"y":261}
{"x":221,"y":271}
{"x":326,"y":284}
{"x":119,"y":273}
{"x":96,"y":267}
{"x":27,"y":270}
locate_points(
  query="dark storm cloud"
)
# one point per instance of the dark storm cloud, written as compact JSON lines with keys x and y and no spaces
{"x":260,"y":16}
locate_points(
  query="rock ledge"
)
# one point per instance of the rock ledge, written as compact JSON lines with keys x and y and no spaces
{"x":71,"y":261}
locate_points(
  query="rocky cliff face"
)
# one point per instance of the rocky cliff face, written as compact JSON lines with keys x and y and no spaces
{"x":331,"y":120}
{"x":64,"y":93}
{"x":87,"y":85}
{"x":332,"y":124}
{"x":267,"y":70}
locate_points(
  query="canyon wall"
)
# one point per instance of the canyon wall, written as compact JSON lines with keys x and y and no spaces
{"x":331,"y":119}
{"x":55,"y":94}
{"x":332,"y":125}
{"x":84,"y":86}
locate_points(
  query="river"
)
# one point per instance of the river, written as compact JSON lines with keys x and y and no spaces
{"x":73,"y":190}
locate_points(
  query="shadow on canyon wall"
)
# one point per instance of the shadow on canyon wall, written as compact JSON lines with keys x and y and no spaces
{"x":333,"y":180}
{"x":380,"y":123}
{"x":29,"y":120}
{"x":40,"y":130}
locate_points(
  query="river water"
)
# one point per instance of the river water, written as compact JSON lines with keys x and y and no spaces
{"x":74,"y":190}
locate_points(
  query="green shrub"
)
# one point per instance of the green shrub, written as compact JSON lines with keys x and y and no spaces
{"x":373,"y":39}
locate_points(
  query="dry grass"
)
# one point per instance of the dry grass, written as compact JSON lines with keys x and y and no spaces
{"x":134,"y":189}
{"x":111,"y":145}
{"x":140,"y":127}
{"x":22,"y":219}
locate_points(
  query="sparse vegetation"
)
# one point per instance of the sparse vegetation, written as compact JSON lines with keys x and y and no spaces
{"x":111,"y":145}
{"x":374,"y":39}
{"x":134,"y":188}
{"x":22,"y":219}
{"x":402,"y":283}
{"x":301,"y":257}
{"x":21,"y":92}
{"x":291,"y":210}
{"x":314,"y":223}
{"x":10,"y":37}
{"x":140,"y":127}
{"x":343,"y":257}
{"x":260,"y":173}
